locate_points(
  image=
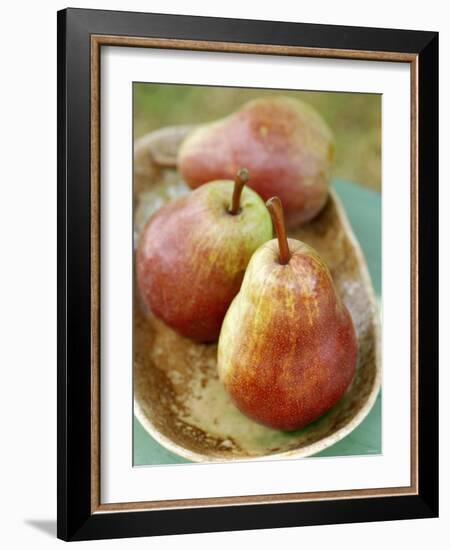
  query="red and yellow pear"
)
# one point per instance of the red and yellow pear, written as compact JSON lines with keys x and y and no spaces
{"x":286,"y":145}
{"x":193,"y":253}
{"x":287,"y":349}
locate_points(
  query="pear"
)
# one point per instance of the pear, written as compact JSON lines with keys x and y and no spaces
{"x":286,"y":145}
{"x":193,"y":253}
{"x":287,"y":349}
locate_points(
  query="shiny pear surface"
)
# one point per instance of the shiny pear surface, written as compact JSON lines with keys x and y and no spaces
{"x":192,"y":256}
{"x":287,"y":349}
{"x":286,"y":145}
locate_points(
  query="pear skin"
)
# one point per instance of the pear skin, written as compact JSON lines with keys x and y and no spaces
{"x":193,"y":253}
{"x":286,"y":145}
{"x":287,"y":349}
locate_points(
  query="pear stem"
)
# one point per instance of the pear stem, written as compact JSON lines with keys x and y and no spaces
{"x":240,"y":180}
{"x":276,"y":212}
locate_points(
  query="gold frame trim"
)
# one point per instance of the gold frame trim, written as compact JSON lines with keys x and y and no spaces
{"x":97,"y":41}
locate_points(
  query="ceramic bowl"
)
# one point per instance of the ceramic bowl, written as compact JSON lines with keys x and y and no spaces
{"x":178,"y":397}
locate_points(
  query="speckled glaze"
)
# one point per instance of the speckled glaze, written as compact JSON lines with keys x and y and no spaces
{"x":285,"y":144}
{"x":179,"y":398}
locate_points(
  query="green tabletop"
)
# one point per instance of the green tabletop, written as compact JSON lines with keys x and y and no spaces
{"x":363,"y":208}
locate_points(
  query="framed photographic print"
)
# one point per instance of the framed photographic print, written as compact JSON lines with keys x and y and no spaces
{"x":247,"y":274}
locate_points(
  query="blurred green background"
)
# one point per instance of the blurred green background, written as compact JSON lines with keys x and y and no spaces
{"x":354,"y":118}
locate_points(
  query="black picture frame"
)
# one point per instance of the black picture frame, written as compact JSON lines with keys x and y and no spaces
{"x":76,"y":520}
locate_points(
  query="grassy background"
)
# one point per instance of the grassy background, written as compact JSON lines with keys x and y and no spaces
{"x":354,"y":118}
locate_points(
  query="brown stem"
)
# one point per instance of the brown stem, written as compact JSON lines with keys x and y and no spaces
{"x":276,"y":212}
{"x":240,"y":180}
